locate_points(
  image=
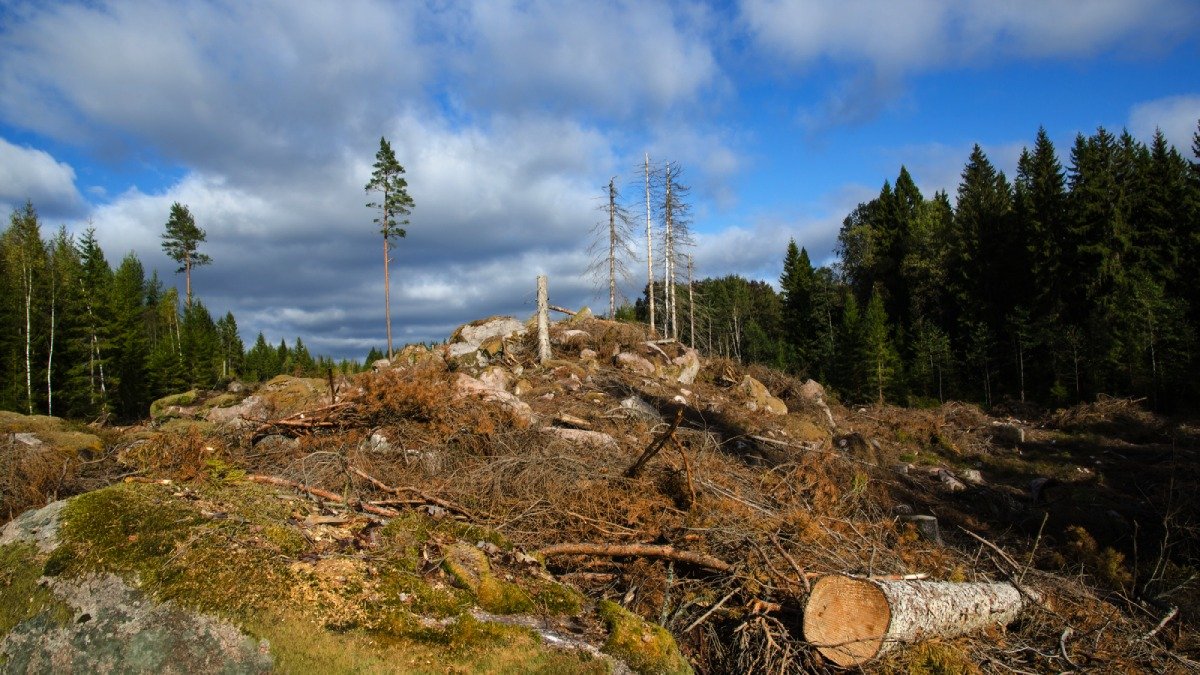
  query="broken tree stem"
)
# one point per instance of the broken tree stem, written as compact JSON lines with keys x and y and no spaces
{"x":638,"y":551}
{"x":323,"y":494}
{"x":653,"y":448}
{"x":422,"y":497}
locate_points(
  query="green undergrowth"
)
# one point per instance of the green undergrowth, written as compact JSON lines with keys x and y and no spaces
{"x":238,"y":550}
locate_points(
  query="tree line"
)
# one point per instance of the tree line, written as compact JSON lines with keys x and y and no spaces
{"x":1053,"y":287}
{"x":83,"y":339}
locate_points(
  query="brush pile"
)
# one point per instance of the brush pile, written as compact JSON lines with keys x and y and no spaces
{"x":710,"y":498}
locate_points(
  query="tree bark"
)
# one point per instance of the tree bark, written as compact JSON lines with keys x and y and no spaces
{"x":852,"y":620}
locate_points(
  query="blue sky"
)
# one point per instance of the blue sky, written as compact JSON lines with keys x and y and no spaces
{"x":263,"y":117}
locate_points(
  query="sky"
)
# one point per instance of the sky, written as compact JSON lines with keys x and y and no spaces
{"x":510,"y":117}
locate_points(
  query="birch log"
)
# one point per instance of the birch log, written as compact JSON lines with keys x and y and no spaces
{"x":852,"y":620}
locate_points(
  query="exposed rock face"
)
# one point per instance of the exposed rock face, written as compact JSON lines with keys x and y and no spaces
{"x":689,"y":366}
{"x":496,"y":377}
{"x":470,"y":337}
{"x":760,"y":398}
{"x":634,"y":363}
{"x":465,"y":385}
{"x":118,"y":629}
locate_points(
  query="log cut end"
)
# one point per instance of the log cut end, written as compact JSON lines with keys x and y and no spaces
{"x":846,"y":619}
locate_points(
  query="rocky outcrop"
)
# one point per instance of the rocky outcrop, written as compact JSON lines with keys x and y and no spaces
{"x":488,"y":334}
{"x":225,"y":577}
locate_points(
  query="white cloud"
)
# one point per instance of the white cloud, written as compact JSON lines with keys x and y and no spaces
{"x":606,"y":58}
{"x":869,"y":47}
{"x":34,"y":175}
{"x":1176,"y":116}
{"x":919,"y":34}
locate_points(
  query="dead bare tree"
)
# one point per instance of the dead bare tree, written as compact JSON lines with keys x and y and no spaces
{"x":649,"y":246}
{"x":611,"y":244}
{"x":675,"y":215}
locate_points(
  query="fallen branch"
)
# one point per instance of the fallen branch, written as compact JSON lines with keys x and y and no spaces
{"x":654,"y":447}
{"x":423,"y":497}
{"x":323,"y":494}
{"x":709,"y":613}
{"x":561,"y":310}
{"x":305,"y":421}
{"x":687,"y":467}
{"x":1165,"y":620}
{"x":638,"y":551}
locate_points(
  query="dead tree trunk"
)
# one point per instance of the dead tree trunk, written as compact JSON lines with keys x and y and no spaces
{"x":543,"y":319}
{"x":649,"y":249}
{"x":852,"y":620}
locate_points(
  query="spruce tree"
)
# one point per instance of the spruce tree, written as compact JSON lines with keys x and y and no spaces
{"x":131,"y":346}
{"x":879,"y":362}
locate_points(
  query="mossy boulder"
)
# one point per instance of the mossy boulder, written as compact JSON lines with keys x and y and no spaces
{"x":175,"y":405}
{"x":232,"y":576}
{"x":53,"y":432}
{"x":646,"y":647}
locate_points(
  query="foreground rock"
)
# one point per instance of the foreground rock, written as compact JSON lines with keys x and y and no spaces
{"x":230,"y":576}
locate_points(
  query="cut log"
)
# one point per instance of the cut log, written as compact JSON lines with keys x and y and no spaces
{"x":852,"y":620}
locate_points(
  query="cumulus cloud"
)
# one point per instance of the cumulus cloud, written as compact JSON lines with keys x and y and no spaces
{"x":34,"y":175}
{"x":610,"y":58}
{"x":229,"y":87}
{"x":879,"y":44}
{"x":1176,"y":116}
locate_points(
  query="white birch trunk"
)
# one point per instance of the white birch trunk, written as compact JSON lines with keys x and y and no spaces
{"x":852,"y":620}
{"x":27,"y":279}
{"x":50,"y":355}
{"x":691,"y":306}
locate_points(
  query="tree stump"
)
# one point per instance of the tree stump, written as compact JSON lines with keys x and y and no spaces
{"x":852,"y":620}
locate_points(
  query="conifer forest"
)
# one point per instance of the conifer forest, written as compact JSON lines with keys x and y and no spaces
{"x":1074,"y":278}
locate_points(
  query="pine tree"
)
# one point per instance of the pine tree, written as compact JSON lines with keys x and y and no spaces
{"x":181,"y":242}
{"x":394,"y":207}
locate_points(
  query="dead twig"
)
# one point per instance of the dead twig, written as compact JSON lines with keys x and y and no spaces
{"x":653,"y":448}
{"x":323,"y":494}
{"x":710,"y":611}
{"x":425,"y":498}
{"x":638,"y":551}
{"x":1165,"y":620}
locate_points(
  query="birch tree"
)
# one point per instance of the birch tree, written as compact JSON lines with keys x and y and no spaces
{"x":25,"y":261}
{"x":394,"y":206}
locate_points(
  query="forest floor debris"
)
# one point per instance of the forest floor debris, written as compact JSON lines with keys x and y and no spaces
{"x":723,"y":529}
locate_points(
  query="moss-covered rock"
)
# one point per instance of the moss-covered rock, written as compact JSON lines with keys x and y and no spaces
{"x":646,"y":647}
{"x":224,"y":575}
{"x":173,"y":405}
{"x":54,"y":432}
